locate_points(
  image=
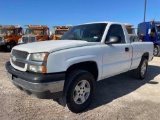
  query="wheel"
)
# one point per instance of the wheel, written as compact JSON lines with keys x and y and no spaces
{"x":10,"y":46}
{"x":156,"y":51}
{"x":140,"y":72}
{"x":80,"y":90}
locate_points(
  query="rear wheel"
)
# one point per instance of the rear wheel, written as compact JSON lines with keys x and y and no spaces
{"x":140,"y":72}
{"x":156,"y":51}
{"x":80,"y":90}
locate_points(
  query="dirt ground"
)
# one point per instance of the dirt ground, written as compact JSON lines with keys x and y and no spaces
{"x":117,"y":98}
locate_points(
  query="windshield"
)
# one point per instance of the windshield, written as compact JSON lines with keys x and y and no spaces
{"x":131,"y":31}
{"x":34,"y":31}
{"x":87,"y":32}
{"x":60,"y":32}
{"x":158,"y":29}
{"x":6,"y":31}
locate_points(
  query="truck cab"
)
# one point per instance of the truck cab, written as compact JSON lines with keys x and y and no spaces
{"x":59,"y":31}
{"x":150,"y":32}
{"x":9,"y":35}
{"x":35,"y":33}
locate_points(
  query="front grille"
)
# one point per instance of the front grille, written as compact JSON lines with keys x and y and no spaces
{"x":20,"y":54}
{"x":19,"y":64}
{"x":1,"y":38}
{"x":28,"y":39}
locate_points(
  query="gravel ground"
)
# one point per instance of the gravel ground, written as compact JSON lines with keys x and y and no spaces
{"x":117,"y":98}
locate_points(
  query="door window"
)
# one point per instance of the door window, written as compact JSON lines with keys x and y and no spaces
{"x":116,"y":30}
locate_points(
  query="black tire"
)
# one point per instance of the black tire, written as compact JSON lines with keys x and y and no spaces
{"x":75,"y":80}
{"x":156,"y":51}
{"x":10,"y":45}
{"x":139,"y":73}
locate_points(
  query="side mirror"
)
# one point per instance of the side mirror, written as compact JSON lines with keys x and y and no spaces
{"x":113,"y":39}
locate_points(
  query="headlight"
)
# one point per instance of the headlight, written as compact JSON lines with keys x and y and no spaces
{"x":37,"y":69}
{"x":6,"y":41}
{"x":40,"y":57}
{"x":20,"y":41}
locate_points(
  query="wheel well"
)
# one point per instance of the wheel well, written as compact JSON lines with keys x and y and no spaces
{"x":89,"y":66}
{"x":146,"y":55}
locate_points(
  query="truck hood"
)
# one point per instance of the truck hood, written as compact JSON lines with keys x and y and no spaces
{"x":53,"y":45}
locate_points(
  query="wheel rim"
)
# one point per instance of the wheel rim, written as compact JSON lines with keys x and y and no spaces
{"x":81,"y":92}
{"x":155,"y":51}
{"x":143,"y":68}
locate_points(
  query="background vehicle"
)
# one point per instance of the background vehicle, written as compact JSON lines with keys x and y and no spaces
{"x":150,"y":32}
{"x":132,"y":33}
{"x":35,"y":33}
{"x":59,"y":31}
{"x":9,"y":35}
{"x":68,"y":69}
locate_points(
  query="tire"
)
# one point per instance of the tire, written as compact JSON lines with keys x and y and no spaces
{"x":156,"y":51}
{"x":10,"y":46}
{"x":80,"y":90}
{"x":141,"y":71}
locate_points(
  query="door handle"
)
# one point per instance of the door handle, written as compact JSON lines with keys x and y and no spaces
{"x":126,"y":49}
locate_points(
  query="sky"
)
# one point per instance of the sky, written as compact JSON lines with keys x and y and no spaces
{"x":73,"y":12}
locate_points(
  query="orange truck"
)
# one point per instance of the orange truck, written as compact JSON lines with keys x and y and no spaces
{"x":35,"y":33}
{"x":132,"y":33}
{"x":59,"y":31}
{"x":9,"y":35}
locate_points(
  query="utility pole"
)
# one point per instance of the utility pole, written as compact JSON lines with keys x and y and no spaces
{"x":145,"y":1}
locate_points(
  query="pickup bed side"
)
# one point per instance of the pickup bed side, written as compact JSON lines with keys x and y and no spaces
{"x":139,"y":50}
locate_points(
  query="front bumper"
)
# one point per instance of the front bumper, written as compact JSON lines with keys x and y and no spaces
{"x":44,"y":86}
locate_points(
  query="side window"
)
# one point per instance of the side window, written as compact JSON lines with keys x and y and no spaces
{"x":152,"y":32}
{"x":45,"y":32}
{"x":16,"y":31}
{"x":116,"y":30}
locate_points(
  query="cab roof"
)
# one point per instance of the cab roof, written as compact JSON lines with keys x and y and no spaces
{"x":10,"y":26}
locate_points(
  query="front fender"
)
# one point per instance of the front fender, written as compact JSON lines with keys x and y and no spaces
{"x":71,"y":61}
{"x":60,"y":61}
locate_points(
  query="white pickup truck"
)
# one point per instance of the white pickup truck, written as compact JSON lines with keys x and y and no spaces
{"x":66,"y":70}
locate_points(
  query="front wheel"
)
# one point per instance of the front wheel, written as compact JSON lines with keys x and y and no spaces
{"x":80,"y":90}
{"x":156,"y":51}
{"x":10,"y":46}
{"x":140,"y":72}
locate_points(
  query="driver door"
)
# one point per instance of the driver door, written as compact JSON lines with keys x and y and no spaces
{"x":116,"y":56}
